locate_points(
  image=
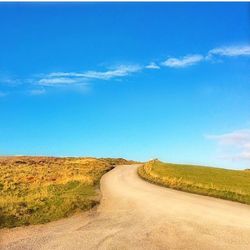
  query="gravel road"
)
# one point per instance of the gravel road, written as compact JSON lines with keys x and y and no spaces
{"x":134,"y":214}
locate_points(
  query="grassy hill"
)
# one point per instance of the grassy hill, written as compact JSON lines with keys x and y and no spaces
{"x":41,"y":189}
{"x":222,"y":183}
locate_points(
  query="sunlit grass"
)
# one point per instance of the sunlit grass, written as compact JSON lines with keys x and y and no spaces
{"x":41,"y":189}
{"x":217,"y":182}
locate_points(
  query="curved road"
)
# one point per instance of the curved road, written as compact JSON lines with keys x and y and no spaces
{"x":135,"y":214}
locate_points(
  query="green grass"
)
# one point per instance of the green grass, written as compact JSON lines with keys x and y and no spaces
{"x":41,"y":189}
{"x":217,"y":182}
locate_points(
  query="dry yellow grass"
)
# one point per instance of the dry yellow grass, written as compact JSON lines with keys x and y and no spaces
{"x":40,"y":189}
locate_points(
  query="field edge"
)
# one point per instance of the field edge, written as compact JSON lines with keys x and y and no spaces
{"x":66,"y":198}
{"x":147,"y":176}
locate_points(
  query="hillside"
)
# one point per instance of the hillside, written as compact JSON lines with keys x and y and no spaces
{"x":41,"y":189}
{"x":217,"y":182}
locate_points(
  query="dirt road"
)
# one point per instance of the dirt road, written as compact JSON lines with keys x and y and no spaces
{"x":135,"y":214}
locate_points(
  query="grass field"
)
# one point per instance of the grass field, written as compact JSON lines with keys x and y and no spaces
{"x":222,"y":183}
{"x":41,"y":189}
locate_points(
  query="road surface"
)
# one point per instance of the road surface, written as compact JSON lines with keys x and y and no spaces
{"x":134,"y":214}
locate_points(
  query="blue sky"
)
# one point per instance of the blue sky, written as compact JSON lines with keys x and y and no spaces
{"x":133,"y":80}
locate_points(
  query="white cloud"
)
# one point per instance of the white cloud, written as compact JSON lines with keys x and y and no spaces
{"x":57,"y":81}
{"x":231,"y":51}
{"x":65,"y":74}
{"x":183,"y":61}
{"x":79,"y":80}
{"x":245,"y":155}
{"x":235,"y":145}
{"x":232,"y":138}
{"x":71,"y":78}
{"x":120,"y":71}
{"x":152,"y":65}
{"x":37,"y":91}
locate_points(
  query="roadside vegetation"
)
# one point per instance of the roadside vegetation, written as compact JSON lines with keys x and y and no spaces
{"x":217,"y":182}
{"x":119,"y":161}
{"x":41,"y":189}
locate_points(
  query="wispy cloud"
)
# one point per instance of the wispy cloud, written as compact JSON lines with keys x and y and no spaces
{"x":189,"y":60}
{"x":80,"y":81}
{"x":120,"y":71}
{"x":235,"y":145}
{"x":37,"y":92}
{"x":245,"y":154}
{"x":183,"y":61}
{"x":65,"y":74}
{"x":57,"y":81}
{"x":233,"y":138}
{"x":152,"y":65}
{"x":231,"y":51}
